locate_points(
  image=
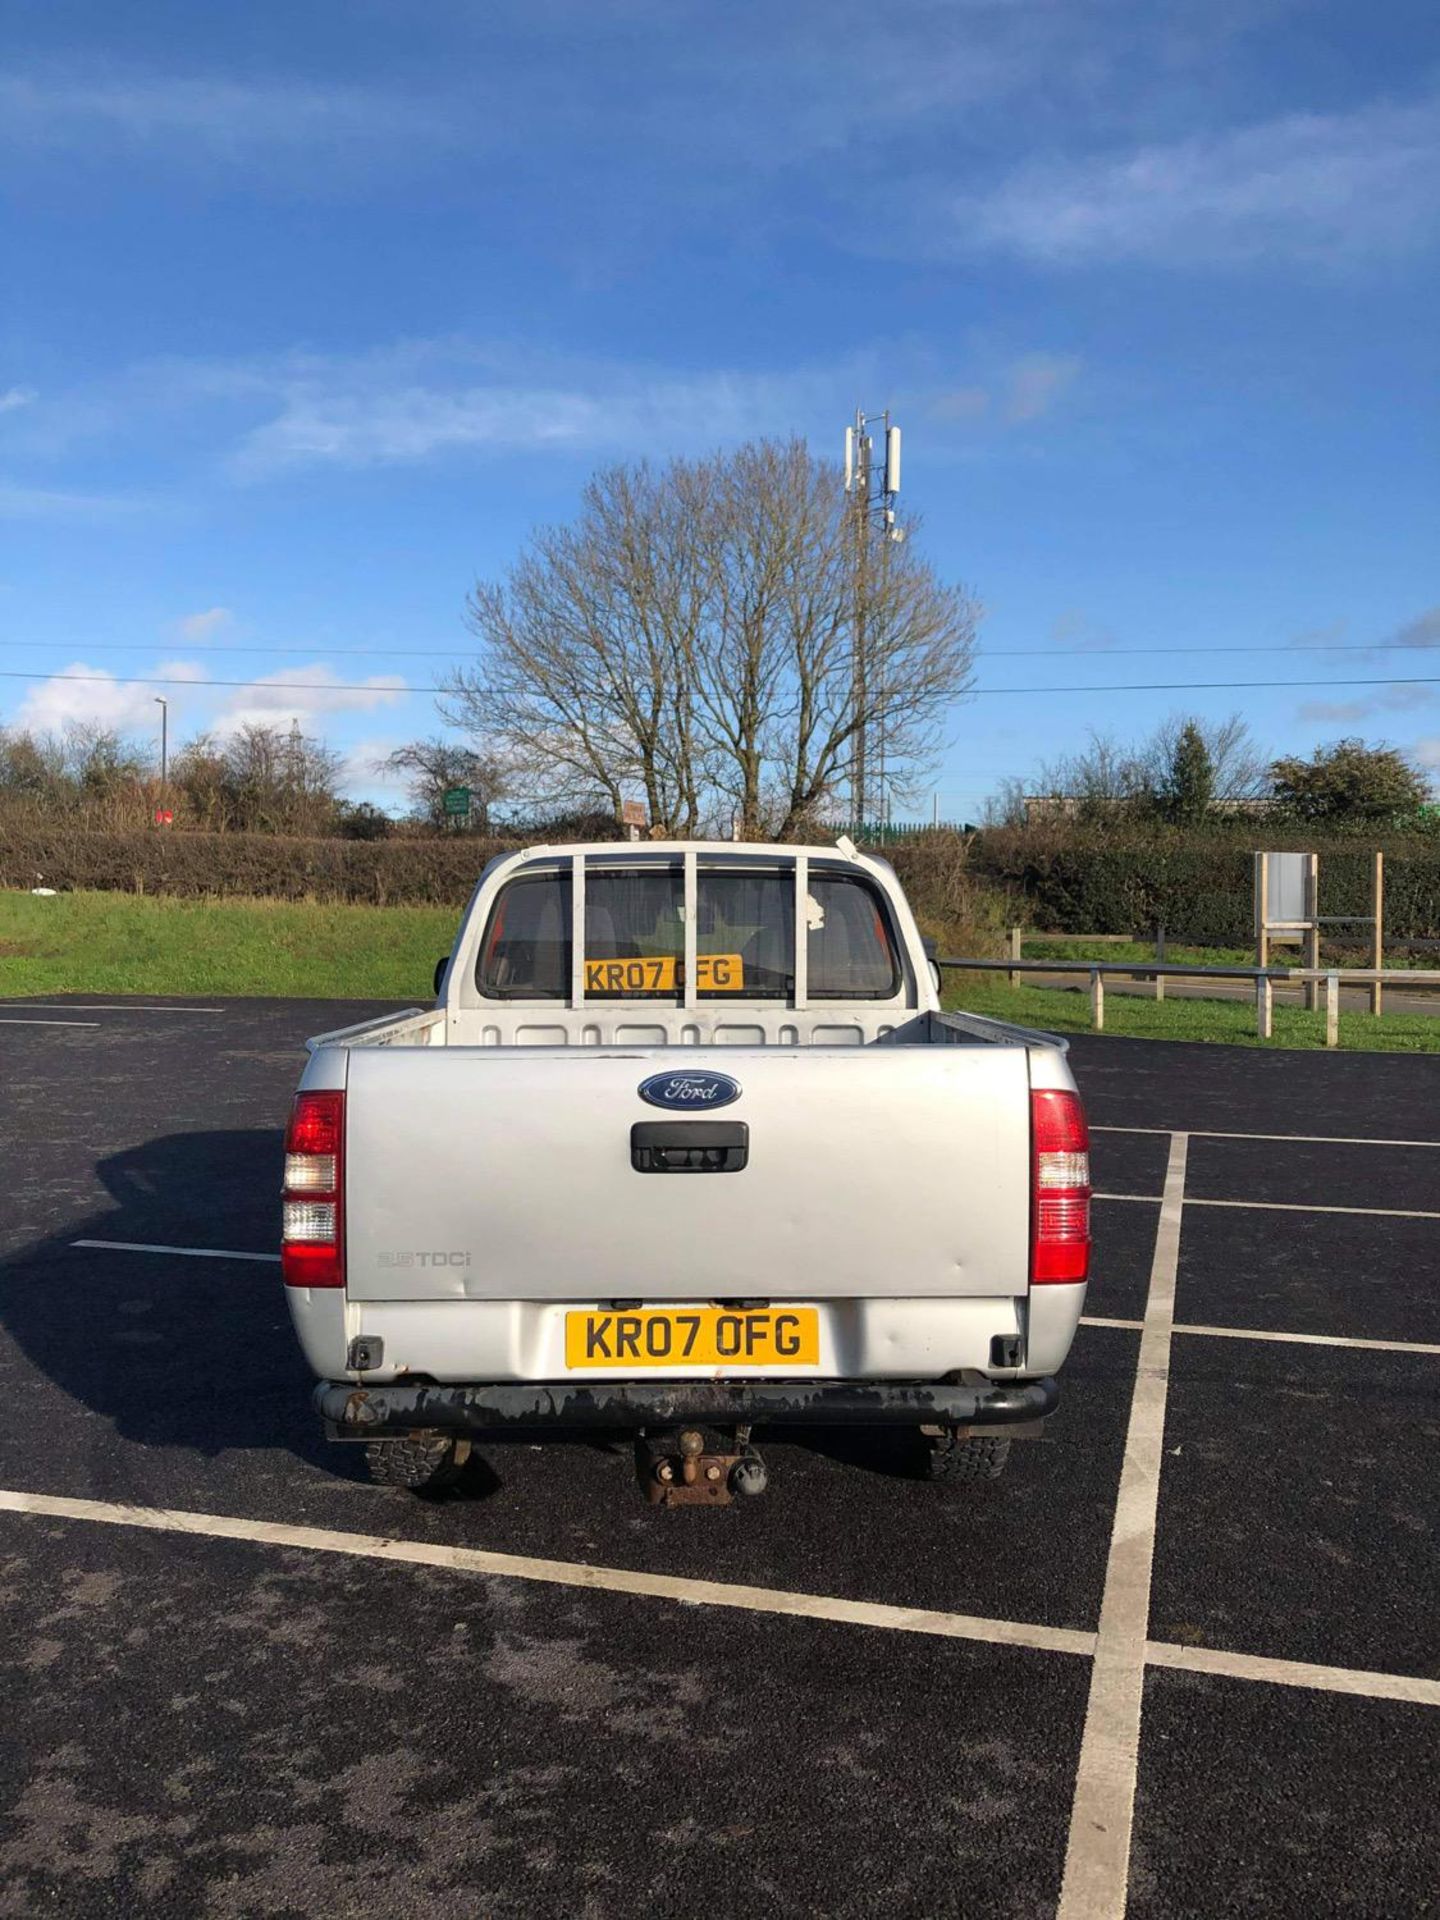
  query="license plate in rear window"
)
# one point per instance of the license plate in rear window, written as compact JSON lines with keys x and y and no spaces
{"x":694,"y":1337}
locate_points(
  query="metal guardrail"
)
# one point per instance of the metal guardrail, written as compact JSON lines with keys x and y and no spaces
{"x":1321,"y":984}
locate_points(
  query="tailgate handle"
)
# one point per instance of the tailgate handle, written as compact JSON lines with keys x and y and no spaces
{"x":689,"y":1146}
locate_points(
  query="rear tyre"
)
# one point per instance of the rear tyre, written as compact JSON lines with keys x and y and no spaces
{"x":965,"y":1459}
{"x":422,"y":1462}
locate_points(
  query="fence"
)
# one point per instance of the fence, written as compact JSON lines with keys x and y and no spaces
{"x":892,"y":833}
{"x":1315,"y":981}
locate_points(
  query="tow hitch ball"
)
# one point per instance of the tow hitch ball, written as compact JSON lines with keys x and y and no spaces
{"x":676,"y":1470}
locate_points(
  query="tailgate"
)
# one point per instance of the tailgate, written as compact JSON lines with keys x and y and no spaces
{"x":506,"y":1174}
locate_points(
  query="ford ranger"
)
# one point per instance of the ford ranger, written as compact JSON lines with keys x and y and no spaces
{"x":686,"y":1147}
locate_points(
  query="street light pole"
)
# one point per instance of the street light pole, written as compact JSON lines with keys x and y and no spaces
{"x":164,"y":706}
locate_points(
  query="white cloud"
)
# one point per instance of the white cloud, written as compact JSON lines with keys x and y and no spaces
{"x":79,"y":692}
{"x":424,"y":400}
{"x":222,"y":120}
{"x":307,"y":694}
{"x":1423,"y":631}
{"x":200,"y":626}
{"x":1036,"y":382}
{"x":1398,"y":699}
{"x":1308,"y":186}
{"x":1014,"y":394}
{"x":99,"y":698}
{"x":54,"y":503}
{"x":364,"y":771}
{"x":13,"y":398}
{"x":1427,"y":753}
{"x":350,"y":429}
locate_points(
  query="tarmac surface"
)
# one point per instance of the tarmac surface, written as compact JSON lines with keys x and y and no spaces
{"x":1181,"y":1660}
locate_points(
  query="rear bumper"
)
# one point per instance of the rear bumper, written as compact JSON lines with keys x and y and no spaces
{"x":365,"y":1413}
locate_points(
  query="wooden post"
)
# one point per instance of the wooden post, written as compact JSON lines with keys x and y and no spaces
{"x":1097,"y":1000}
{"x":1264,"y":1007}
{"x":1377,"y":944}
{"x":1262,"y":910}
{"x":1160,"y":956}
{"x":1015,"y":938}
{"x":1332,"y":1009}
{"x":1311,"y":948}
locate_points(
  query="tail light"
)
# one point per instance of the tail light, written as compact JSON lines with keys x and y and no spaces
{"x":312,"y":1235}
{"x":1060,"y":1222}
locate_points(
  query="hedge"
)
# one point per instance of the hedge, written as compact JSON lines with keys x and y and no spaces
{"x":1197,"y":886}
{"x":439,"y":872}
{"x":1200,"y":887}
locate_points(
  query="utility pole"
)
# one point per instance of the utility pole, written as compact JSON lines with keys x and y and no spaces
{"x":872,"y":510}
{"x":164,"y":706}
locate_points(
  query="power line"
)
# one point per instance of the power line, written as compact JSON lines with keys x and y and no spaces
{"x":1210,"y":686}
{"x":1007,"y":653}
{"x":1176,"y":653}
{"x":160,"y":680}
{"x":337,"y":653}
{"x":342,"y":686}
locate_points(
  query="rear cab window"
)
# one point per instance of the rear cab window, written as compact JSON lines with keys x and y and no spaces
{"x":634,"y":936}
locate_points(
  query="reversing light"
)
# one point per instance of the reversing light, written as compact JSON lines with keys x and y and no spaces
{"x":1060,"y":1188}
{"x":312,"y":1233}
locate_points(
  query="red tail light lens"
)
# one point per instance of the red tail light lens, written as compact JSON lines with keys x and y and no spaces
{"x":312,"y":1236}
{"x":1060,"y":1187}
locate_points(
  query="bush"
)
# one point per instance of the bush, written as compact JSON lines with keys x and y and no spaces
{"x":965,"y":888}
{"x":218,"y":865}
{"x":962,"y":911}
{"x":1199,"y":885}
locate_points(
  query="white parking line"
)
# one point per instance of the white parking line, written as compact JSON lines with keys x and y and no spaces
{"x":6,"y":1021}
{"x":562,"y":1573}
{"x":1310,"y":1139}
{"x":108,"y":1006}
{"x":1097,"y":1855}
{"x":1255,"y":1333}
{"x":1295,"y":1673}
{"x":948,"y":1626}
{"x":1311,"y":1339}
{"x":1305,"y":1206}
{"x":1282,"y":1206}
{"x":188,"y":1253}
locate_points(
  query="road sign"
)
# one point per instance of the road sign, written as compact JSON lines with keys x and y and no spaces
{"x":457,"y":802}
{"x":632,"y":813}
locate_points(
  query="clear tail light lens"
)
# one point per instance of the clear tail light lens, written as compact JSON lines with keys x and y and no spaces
{"x":1060,"y":1188}
{"x":312,"y":1235}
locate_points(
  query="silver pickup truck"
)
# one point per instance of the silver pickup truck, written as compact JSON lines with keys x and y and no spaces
{"x":685,"y":1148}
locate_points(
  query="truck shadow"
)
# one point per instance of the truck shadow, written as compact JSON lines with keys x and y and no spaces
{"x":175,"y":1352}
{"x":199,"y":1354}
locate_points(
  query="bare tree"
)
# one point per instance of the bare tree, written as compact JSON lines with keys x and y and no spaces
{"x":261,"y":779}
{"x":691,"y":639}
{"x":1097,"y":778}
{"x":434,"y":765}
{"x":1106,"y":775}
{"x":1241,"y":768}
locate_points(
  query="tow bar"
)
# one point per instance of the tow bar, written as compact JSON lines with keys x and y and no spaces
{"x":677,"y":1470}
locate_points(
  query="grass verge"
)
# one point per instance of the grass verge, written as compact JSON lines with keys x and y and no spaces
{"x":120,"y":943}
{"x":1231,"y":1022}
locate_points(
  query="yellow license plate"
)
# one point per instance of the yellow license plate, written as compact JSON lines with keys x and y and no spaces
{"x":663,"y":973}
{"x":694,"y":1337}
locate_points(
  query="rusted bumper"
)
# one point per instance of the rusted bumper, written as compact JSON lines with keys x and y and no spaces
{"x":354,"y":1412}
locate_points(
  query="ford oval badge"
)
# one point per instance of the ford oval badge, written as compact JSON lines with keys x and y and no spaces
{"x":689,"y":1092}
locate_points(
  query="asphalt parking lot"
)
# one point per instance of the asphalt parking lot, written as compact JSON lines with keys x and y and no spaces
{"x":1181,"y":1660}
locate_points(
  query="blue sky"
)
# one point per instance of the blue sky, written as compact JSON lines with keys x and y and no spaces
{"x":311,"y":310}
